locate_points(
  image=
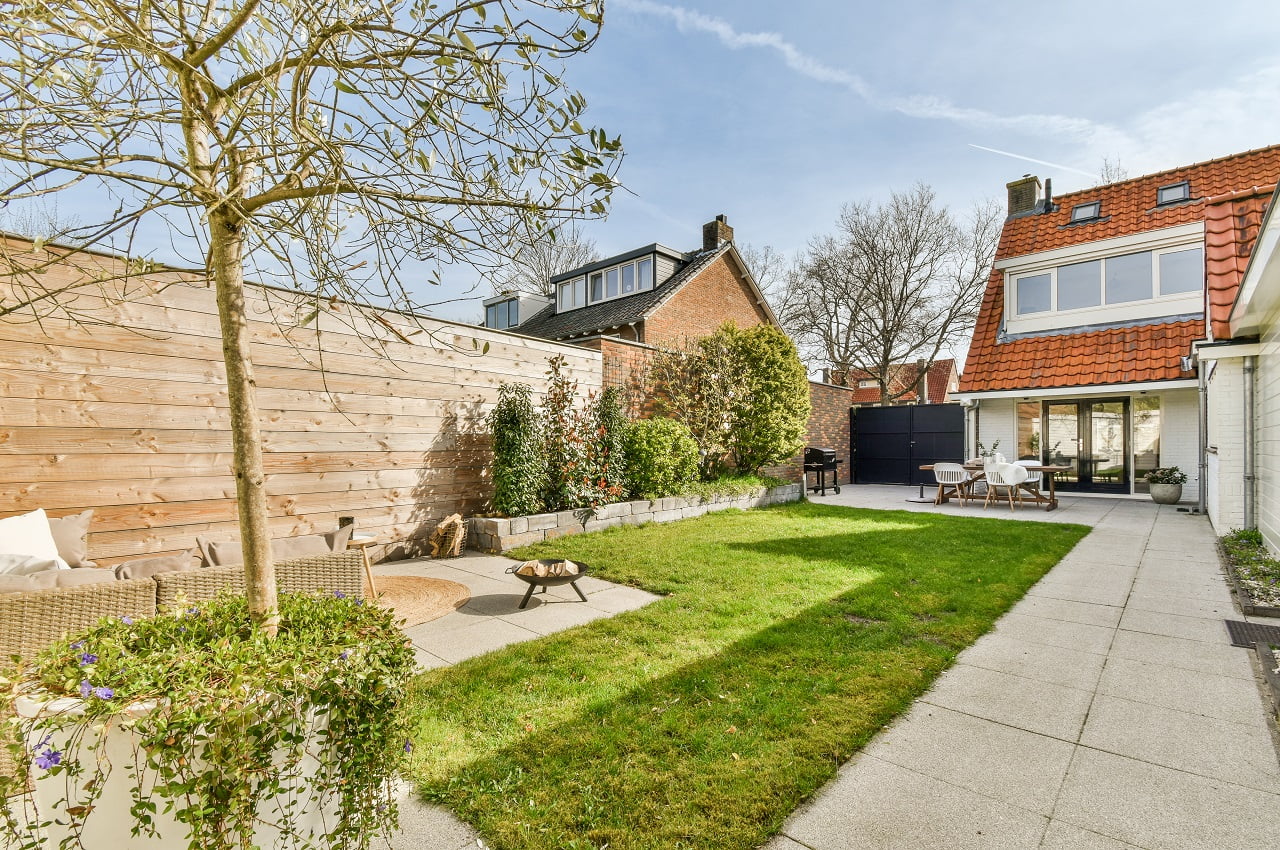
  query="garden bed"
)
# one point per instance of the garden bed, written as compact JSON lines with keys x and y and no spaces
{"x":493,"y":534}
{"x":1267,"y":657}
{"x":1253,"y":573}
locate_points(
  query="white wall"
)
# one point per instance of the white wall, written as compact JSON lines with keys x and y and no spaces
{"x":996,"y":421}
{"x":1180,"y":437}
{"x":1267,"y":433}
{"x":1225,"y":500}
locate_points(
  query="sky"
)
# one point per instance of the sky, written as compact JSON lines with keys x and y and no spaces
{"x":776,"y":114}
{"x":776,"y":119}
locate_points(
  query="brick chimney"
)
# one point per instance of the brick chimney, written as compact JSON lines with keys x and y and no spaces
{"x":716,"y":233}
{"x":1024,"y":195}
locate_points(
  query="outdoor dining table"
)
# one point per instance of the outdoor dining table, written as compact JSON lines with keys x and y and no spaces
{"x":1049,"y":500}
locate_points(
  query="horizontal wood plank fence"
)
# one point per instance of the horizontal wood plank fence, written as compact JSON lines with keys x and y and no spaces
{"x":365,"y":413}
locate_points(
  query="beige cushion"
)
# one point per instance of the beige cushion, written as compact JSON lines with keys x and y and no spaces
{"x":70,"y":578}
{"x":10,"y":583}
{"x":25,"y":565}
{"x":28,"y":534}
{"x":147,"y":567}
{"x":227,"y":553}
{"x":70,"y":534}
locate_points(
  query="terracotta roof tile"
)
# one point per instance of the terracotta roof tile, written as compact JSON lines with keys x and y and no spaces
{"x":1229,"y":195}
{"x":938,"y":382}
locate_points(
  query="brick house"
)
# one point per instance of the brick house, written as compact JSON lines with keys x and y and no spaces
{"x":1083,"y":350}
{"x":940,"y":380}
{"x":628,"y":306}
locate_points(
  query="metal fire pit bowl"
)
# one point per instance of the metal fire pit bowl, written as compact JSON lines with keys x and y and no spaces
{"x":544,"y":582}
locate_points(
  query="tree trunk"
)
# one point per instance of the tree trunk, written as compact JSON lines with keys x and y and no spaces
{"x":227,"y":259}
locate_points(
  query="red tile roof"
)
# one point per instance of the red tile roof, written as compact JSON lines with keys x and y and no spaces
{"x":1227,"y":195}
{"x":1231,"y":226}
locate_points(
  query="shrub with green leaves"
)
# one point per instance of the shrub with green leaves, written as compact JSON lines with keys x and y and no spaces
{"x":231,"y":717}
{"x":661,"y":457}
{"x":519,"y":462}
{"x":770,"y":415}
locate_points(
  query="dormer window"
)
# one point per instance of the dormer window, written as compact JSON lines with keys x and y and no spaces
{"x":1174,"y":193}
{"x":1086,"y":212}
{"x":571,"y":294}
{"x":503,"y":315}
{"x":868,"y":384}
{"x":625,"y":279}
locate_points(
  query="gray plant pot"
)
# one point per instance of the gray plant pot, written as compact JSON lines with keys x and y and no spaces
{"x":1165,"y":494}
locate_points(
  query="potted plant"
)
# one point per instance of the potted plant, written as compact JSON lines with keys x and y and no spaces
{"x":194,"y":729}
{"x":1166,"y":484}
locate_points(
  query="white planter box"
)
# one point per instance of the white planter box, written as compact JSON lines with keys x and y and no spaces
{"x":109,"y":825}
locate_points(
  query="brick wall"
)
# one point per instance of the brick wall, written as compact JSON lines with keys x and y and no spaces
{"x":828,"y":429}
{"x":624,"y":366}
{"x":718,"y":294}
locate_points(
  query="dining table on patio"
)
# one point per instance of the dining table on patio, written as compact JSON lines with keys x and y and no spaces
{"x":1039,"y":496}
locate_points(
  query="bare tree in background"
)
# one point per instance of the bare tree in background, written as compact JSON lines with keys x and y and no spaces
{"x":1112,"y":171}
{"x":896,"y":283}
{"x":558,"y":251}
{"x":320,"y":144}
{"x":774,"y":273}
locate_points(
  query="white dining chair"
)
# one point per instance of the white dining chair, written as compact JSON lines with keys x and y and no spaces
{"x":951,"y":475}
{"x":1034,"y":477}
{"x":1004,"y":477}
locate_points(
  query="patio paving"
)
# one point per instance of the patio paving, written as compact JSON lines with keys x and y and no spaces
{"x":490,"y":620}
{"x":1107,"y":709}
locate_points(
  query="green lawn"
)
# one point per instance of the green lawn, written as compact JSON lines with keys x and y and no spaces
{"x":789,"y":637}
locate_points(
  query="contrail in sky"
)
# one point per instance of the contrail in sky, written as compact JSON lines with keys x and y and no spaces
{"x":1036,"y":161}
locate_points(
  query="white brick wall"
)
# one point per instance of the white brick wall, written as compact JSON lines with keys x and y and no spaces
{"x":1180,"y":437}
{"x":1267,"y":425}
{"x":997,"y":421}
{"x":1225,"y":499}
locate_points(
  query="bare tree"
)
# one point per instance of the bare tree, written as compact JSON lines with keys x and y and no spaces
{"x":1112,"y":171}
{"x":560,"y":250}
{"x":317,"y":143}
{"x":896,"y":283}
{"x":774,"y":273}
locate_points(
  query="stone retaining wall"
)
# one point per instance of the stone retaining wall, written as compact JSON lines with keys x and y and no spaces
{"x":490,"y":534}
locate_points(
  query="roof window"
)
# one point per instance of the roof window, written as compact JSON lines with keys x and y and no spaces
{"x":1086,"y":212}
{"x":1174,"y":193}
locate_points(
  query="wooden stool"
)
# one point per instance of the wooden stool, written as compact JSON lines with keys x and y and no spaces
{"x":363,"y":543}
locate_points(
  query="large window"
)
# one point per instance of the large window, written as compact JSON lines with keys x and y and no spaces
{"x":1146,"y":440}
{"x":621,"y":280}
{"x":1029,"y":430}
{"x":503,"y":315}
{"x":1141,"y":276}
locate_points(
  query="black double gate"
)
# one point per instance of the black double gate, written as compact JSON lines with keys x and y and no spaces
{"x":890,"y":444}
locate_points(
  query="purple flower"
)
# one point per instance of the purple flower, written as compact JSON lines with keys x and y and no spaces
{"x":85,"y":688}
{"x":48,"y":759}
{"x":103,"y":693}
{"x":193,"y":610}
{"x":408,"y":745}
{"x":128,"y":621}
{"x":344,"y":655}
{"x":359,"y":601}
{"x":77,"y":645}
{"x":87,"y":658}
{"x":338,"y":594}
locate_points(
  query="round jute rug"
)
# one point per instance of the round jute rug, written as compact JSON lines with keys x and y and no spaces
{"x":418,"y":599}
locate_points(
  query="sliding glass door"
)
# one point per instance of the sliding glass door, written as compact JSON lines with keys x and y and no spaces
{"x":1091,"y":439}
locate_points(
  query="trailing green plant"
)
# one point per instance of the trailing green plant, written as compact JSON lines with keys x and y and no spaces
{"x":661,"y":457}
{"x":223,"y":716}
{"x":583,"y":465}
{"x":1166,"y":475}
{"x":519,"y":463}
{"x":606,"y":453}
{"x":770,"y":413}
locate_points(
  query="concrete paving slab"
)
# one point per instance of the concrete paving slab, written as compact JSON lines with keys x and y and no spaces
{"x":1028,"y":704}
{"x":484,"y":635}
{"x":782,"y":842}
{"x":1181,"y":605}
{"x":1064,"y":836}
{"x":1184,"y":690}
{"x":551,"y":617}
{"x":1235,"y":752}
{"x":1089,"y":613}
{"x":890,"y":808}
{"x":999,"y":761}
{"x":1153,"y":806}
{"x":618,"y":599}
{"x":1055,"y":664}
{"x":1172,"y":625}
{"x":423,"y":826}
{"x":1078,"y":636}
{"x":1217,"y":658}
{"x":1095,"y":594}
{"x":1208,"y":590}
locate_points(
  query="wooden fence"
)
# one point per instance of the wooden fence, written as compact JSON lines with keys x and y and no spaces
{"x":365,"y":413}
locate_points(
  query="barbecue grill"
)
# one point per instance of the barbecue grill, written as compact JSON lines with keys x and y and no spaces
{"x":820,"y":462}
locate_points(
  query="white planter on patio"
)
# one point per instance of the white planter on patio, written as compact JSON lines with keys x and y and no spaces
{"x":1165,"y":494}
{"x":115,"y":748}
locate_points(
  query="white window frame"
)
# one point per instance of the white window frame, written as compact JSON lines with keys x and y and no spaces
{"x":1102,"y":283}
{"x":642,"y":283}
{"x":576,"y":289}
{"x":502,"y":312}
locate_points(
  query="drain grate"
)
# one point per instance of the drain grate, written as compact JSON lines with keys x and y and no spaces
{"x":1247,"y":634}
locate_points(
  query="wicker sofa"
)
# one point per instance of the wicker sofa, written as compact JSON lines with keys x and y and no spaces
{"x":31,"y":621}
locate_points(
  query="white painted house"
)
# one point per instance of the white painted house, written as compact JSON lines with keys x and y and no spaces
{"x":1083,"y":353}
